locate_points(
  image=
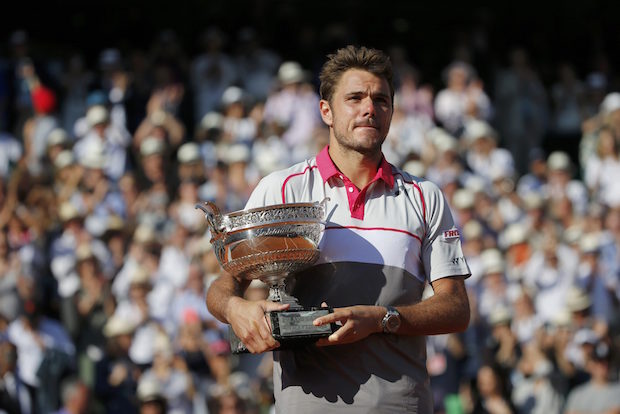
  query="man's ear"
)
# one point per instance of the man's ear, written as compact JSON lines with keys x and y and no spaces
{"x":326,"y":112}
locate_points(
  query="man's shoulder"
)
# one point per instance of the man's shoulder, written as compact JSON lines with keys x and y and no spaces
{"x":299,"y":168}
{"x":272,"y":188}
{"x":412,"y":180}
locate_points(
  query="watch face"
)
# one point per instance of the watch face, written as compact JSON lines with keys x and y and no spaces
{"x":393,"y":323}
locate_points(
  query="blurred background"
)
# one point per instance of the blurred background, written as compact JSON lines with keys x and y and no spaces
{"x":116,"y":119}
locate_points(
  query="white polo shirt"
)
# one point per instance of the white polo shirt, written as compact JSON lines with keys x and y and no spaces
{"x":380,"y":246}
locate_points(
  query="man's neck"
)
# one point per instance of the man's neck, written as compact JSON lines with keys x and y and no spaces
{"x":359,"y":168}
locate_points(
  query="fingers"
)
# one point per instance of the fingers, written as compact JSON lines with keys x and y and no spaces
{"x":357,"y":323}
{"x":259,"y":338}
{"x":251,"y":325}
{"x":269,"y":306}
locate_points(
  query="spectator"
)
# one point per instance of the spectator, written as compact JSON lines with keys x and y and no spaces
{"x":172,"y":378}
{"x":112,"y":139}
{"x":75,"y":397}
{"x":14,"y":396}
{"x":10,"y":154}
{"x":37,"y":128}
{"x":492,"y":397}
{"x":601,"y":168}
{"x":522,"y":113}
{"x":44,"y":353}
{"x":151,"y":399}
{"x":212,"y":71}
{"x":483,"y":156}
{"x":292,"y":110}
{"x":600,"y":394}
{"x":561,"y":182}
{"x":115,"y":380}
{"x":462,"y":99}
{"x":257,"y":64}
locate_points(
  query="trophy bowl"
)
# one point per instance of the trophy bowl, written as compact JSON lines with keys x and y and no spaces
{"x":270,"y":244}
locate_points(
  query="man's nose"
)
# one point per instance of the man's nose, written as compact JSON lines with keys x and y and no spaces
{"x":369,"y":107}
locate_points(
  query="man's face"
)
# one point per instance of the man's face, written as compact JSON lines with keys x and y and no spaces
{"x":360,"y":112}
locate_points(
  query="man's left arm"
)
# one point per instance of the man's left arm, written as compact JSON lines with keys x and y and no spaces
{"x":445,"y":312}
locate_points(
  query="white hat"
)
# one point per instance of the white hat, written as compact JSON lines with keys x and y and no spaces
{"x":232,"y":94}
{"x":572,"y":234}
{"x":472,"y":230}
{"x":499,"y":172}
{"x":515,"y":233}
{"x":144,"y":234}
{"x":94,"y":157}
{"x":590,"y":243}
{"x":64,"y":159}
{"x":500,"y":315}
{"x":212,"y":120}
{"x":118,"y":326}
{"x":114,"y":223}
{"x":558,"y":160}
{"x":57,"y":136}
{"x":533,"y":200}
{"x":492,"y":261}
{"x":236,"y":153}
{"x":610,"y":103}
{"x":476,"y":128}
{"x":83,"y":252}
{"x":97,"y":114}
{"x":188,"y":152}
{"x":415,"y":168}
{"x":139,"y":276}
{"x":291,"y":72}
{"x":68,"y":211}
{"x":149,"y":390}
{"x":561,"y":318}
{"x":441,"y":139}
{"x":151,"y":146}
{"x":267,"y":161}
{"x":463,"y":198}
{"x":476,"y":183}
{"x":445,"y":142}
{"x":577,"y":300}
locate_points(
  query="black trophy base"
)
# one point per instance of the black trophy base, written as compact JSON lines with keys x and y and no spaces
{"x":292,"y":329}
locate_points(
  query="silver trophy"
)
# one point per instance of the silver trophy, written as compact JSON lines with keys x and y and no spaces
{"x":271,"y":244}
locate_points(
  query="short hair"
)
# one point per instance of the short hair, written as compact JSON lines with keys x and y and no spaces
{"x":351,"y":57}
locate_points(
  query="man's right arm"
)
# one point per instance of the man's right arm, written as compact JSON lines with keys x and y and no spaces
{"x":247,"y":318}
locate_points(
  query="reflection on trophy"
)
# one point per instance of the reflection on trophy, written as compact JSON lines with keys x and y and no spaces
{"x":270,"y":244}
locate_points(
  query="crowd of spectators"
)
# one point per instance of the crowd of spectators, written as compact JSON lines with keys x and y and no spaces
{"x":104,"y":261}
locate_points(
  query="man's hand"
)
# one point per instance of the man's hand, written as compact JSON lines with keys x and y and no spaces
{"x":251,"y":324}
{"x":357,"y":323}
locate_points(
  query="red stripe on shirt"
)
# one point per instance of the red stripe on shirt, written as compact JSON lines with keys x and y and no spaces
{"x":421,"y":196}
{"x":291,"y":176}
{"x":374,"y":228}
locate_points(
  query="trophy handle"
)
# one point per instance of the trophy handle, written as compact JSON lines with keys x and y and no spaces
{"x":323,"y":203}
{"x":211,"y":211}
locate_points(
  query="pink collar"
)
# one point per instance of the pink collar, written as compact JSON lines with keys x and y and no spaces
{"x":328,"y":169}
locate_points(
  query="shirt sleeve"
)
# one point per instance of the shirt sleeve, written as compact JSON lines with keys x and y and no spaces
{"x":266,"y":193}
{"x":442,"y":254}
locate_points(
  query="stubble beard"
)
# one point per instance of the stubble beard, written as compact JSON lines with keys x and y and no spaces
{"x":350,"y":144}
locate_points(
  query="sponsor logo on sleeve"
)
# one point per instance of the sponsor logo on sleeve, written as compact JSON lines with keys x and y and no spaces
{"x":451,"y":235}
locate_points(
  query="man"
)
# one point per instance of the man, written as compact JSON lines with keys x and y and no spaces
{"x":387,"y":233}
{"x":600,"y":394}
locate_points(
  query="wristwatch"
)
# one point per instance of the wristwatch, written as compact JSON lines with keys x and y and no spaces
{"x":391,"y":320}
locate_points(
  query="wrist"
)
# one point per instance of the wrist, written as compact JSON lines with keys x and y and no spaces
{"x":391,"y":321}
{"x":232,"y":304}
